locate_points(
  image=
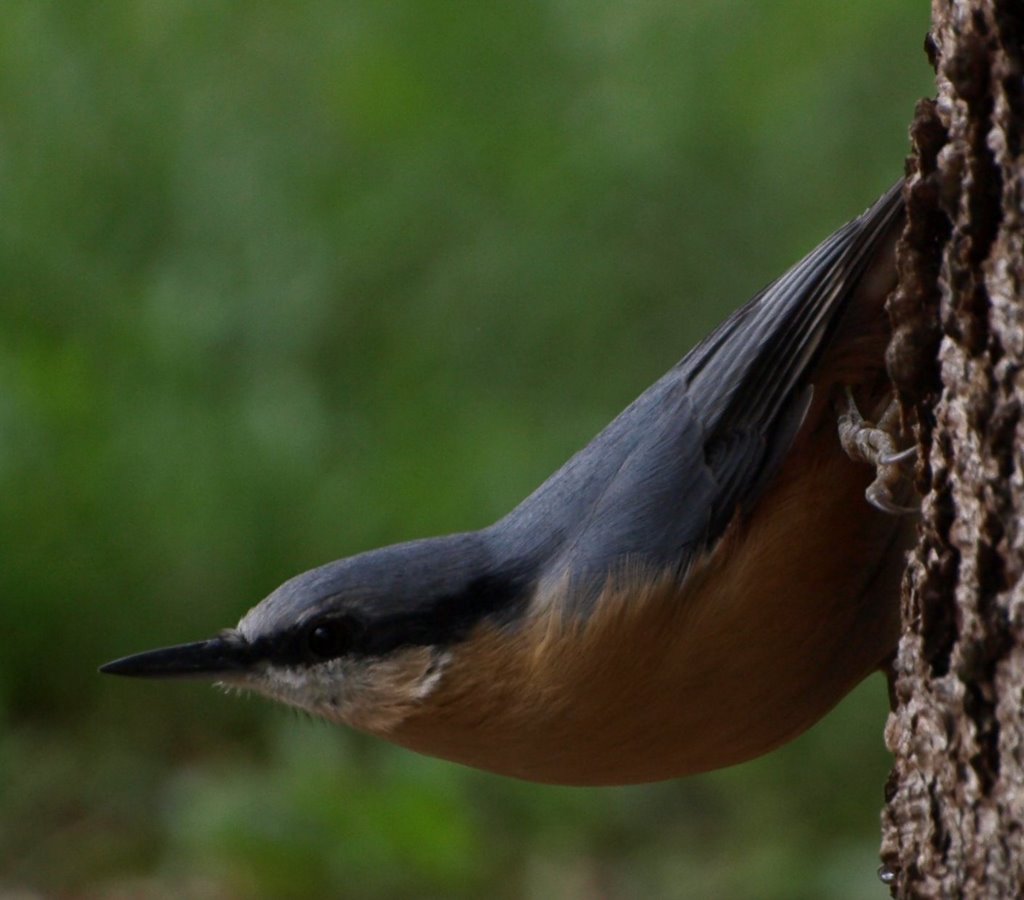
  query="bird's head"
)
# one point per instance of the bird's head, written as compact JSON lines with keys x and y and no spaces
{"x":363,"y":641}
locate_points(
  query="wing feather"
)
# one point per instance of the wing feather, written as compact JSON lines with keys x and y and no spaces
{"x":664,"y":479}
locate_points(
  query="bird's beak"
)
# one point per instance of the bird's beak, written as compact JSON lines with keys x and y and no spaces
{"x":219,"y":657}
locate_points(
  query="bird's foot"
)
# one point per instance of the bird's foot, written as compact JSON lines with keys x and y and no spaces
{"x":875,"y":444}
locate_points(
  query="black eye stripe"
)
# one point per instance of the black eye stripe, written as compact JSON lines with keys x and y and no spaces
{"x":380,"y":628}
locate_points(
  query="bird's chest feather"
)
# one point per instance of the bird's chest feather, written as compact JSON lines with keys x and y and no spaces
{"x":791,"y":609}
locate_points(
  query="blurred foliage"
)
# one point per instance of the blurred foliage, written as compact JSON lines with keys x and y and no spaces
{"x":281,"y":282}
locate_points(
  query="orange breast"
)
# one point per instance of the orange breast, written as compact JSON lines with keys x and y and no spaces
{"x":792,"y":609}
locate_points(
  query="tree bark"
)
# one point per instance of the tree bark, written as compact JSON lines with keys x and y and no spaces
{"x":953,"y":825}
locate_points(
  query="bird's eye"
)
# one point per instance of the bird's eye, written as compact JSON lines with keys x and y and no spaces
{"x":330,"y":638}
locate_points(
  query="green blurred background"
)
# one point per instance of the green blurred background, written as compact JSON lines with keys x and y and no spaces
{"x":283,"y":282}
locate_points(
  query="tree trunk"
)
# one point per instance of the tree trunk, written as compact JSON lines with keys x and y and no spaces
{"x":954,"y":821}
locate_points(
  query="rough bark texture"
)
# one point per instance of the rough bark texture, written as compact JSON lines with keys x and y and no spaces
{"x":954,"y":821}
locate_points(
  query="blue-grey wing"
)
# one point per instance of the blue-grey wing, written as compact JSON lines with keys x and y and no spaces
{"x":663,"y":480}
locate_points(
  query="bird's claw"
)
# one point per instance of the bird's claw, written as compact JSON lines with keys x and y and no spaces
{"x":901,"y":456}
{"x":879,"y":495}
{"x":875,"y":444}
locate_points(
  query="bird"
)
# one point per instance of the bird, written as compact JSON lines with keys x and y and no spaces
{"x":700,"y":584}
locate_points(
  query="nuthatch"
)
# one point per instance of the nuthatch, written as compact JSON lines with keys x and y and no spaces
{"x":698,"y":585}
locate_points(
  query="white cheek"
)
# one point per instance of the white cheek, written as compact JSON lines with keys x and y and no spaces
{"x":295,"y":681}
{"x":315,"y":689}
{"x":373,"y":696}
